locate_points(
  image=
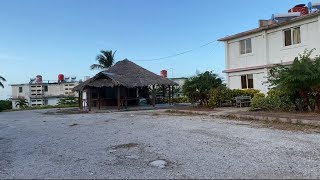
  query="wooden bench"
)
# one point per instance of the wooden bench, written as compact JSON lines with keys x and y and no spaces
{"x":243,"y":101}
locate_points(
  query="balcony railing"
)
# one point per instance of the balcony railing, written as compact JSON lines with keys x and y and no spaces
{"x":52,"y":95}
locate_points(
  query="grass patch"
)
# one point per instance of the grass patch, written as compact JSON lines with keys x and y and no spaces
{"x":185,"y":113}
{"x":276,"y":124}
{"x":66,"y":111}
{"x":126,"y":146}
{"x":156,"y":114}
{"x":42,"y":107}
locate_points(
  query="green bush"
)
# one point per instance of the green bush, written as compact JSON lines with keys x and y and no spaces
{"x":223,"y":96}
{"x":5,"y":105}
{"x":220,"y":96}
{"x":198,"y":87}
{"x":181,"y":99}
{"x":272,"y":102}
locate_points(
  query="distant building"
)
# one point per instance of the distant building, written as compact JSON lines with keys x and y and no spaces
{"x":249,"y":55}
{"x":181,"y":82}
{"x":40,"y":93}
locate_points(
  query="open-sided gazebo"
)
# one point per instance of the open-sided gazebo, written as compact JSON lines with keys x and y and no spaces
{"x":121,"y":85}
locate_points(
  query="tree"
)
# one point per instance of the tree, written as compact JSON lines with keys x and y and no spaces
{"x":105,"y":60}
{"x":301,"y":77}
{"x":5,"y":104}
{"x":316,"y":85}
{"x":22,"y":103}
{"x":197,"y":87}
{"x":2,"y":79}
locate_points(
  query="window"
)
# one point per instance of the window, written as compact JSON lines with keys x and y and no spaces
{"x":45,"y":88}
{"x":292,"y":36}
{"x":245,"y":46}
{"x":296,"y":35}
{"x":247,"y":81}
{"x":20,"y":89}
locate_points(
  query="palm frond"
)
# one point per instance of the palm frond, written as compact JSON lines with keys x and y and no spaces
{"x":105,"y":60}
{"x":96,"y":66}
{"x":2,"y":78}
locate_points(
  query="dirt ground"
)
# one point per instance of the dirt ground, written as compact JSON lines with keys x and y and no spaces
{"x":151,"y":144}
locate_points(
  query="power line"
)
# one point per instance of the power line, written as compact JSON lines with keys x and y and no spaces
{"x":181,"y":53}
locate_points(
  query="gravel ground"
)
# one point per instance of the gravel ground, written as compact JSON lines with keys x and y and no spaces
{"x":150,"y":145}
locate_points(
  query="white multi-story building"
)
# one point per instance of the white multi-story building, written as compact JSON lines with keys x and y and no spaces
{"x":249,"y":55}
{"x":41,"y":93}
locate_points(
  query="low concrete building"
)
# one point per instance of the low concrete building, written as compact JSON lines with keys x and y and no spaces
{"x":39,"y":93}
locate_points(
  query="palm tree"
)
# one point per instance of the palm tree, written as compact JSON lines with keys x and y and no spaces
{"x":22,"y":103}
{"x":2,"y":79}
{"x":105,"y":60}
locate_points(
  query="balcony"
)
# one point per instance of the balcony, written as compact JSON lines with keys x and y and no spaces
{"x":52,"y":96}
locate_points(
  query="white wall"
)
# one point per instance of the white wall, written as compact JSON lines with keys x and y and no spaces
{"x":256,"y":58}
{"x":25,"y":91}
{"x":309,"y":31}
{"x":52,"y":101}
{"x":259,"y":79}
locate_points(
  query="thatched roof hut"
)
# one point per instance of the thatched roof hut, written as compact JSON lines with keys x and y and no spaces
{"x":123,"y":83}
{"x":125,"y":73}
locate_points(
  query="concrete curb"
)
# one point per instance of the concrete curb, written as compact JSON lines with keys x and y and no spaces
{"x":280,"y":119}
{"x":253,"y":117}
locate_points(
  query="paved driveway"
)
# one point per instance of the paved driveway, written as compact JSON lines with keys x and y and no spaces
{"x":125,"y":145}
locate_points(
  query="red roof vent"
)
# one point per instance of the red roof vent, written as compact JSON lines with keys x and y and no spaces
{"x":164,"y":73}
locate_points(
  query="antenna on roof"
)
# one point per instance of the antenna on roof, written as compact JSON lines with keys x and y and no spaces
{"x":314,"y":7}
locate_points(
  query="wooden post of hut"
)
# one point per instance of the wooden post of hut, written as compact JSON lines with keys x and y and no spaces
{"x":153,"y":95}
{"x":163,"y":94}
{"x":118,"y":96}
{"x":169,"y":99}
{"x":172,"y":88}
{"x":80,"y":100}
{"x":99,"y":100}
{"x":89,"y":99}
{"x":126,"y":97}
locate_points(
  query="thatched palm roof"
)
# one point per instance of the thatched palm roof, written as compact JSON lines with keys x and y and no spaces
{"x":125,"y":73}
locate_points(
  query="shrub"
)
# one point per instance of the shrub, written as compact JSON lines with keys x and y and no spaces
{"x":272,"y":103}
{"x":5,"y":104}
{"x":197,"y":88}
{"x":219,"y":96}
{"x":223,"y":96}
{"x":181,"y":99}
